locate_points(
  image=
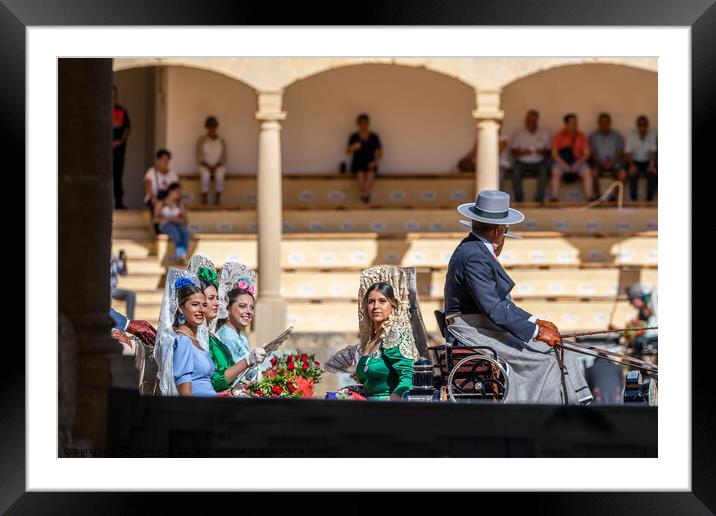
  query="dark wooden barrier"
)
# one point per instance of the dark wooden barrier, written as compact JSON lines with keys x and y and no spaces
{"x":145,"y":426}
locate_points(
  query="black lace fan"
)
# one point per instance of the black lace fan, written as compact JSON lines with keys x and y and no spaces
{"x":343,"y":361}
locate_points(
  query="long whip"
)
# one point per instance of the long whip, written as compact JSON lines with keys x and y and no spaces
{"x":600,"y":332}
{"x":611,"y":356}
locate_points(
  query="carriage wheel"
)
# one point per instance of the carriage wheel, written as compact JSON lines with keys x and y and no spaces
{"x":479,"y":360}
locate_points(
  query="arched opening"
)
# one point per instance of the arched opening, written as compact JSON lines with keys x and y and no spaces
{"x":424,"y":118}
{"x":167,"y":106}
{"x":586,"y":90}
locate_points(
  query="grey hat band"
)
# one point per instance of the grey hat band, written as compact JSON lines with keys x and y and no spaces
{"x":488,"y":214}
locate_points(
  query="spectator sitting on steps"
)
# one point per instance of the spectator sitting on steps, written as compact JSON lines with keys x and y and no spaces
{"x":170,"y":215}
{"x":607,"y":147}
{"x":570,"y":152}
{"x":641,"y":155}
{"x":365,"y":147}
{"x":211,"y":158}
{"x":157,"y":180}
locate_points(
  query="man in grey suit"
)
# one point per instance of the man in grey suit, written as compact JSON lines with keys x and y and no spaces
{"x":479,"y":310}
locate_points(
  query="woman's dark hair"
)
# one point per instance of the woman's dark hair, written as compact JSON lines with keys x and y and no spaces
{"x":362,"y":117}
{"x":233,"y":295}
{"x":642,"y":118}
{"x":384,"y":288}
{"x":211,"y":121}
{"x":205,"y":285}
{"x":173,"y":186}
{"x":163,"y":152}
{"x":183,"y":294}
{"x":568,"y":116}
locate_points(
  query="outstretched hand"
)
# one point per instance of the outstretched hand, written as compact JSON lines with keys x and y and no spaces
{"x":143,"y":330}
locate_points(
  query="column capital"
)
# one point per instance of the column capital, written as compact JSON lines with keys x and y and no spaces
{"x":481,"y":116}
{"x":487,"y":103}
{"x":270,"y":106}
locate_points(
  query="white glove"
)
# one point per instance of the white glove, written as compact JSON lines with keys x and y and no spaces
{"x":256,"y":356}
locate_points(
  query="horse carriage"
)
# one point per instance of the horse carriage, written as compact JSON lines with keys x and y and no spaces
{"x":450,"y":371}
{"x":465,"y":372}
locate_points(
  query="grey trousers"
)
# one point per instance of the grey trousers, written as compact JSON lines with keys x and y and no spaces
{"x":534,"y":371}
{"x":129,"y":296}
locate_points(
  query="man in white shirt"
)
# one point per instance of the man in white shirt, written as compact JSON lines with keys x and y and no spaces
{"x":640,"y":150}
{"x":211,"y":158}
{"x":158,"y":178}
{"x":530,"y":147}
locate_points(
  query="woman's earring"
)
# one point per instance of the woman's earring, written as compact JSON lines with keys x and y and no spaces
{"x":181,"y":318}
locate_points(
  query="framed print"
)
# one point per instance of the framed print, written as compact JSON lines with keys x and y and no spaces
{"x":279,"y":197}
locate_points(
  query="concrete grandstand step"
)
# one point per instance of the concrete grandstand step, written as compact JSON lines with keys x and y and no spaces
{"x":131,"y":219}
{"x":351,"y":252}
{"x":150,"y":296}
{"x":394,"y":221}
{"x":135,"y":248}
{"x":148,"y":265}
{"x":343,"y":317}
{"x":133,"y":234}
{"x":324,"y":191}
{"x":573,"y":283}
{"x":139,"y":281}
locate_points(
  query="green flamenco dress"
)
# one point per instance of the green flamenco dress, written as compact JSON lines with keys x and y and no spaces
{"x":221,"y":356}
{"x":389,"y":373}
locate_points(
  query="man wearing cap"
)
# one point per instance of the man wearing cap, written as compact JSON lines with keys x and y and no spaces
{"x":645,"y":303}
{"x":479,"y":310}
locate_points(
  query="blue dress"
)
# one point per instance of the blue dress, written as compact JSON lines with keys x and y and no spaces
{"x":192,"y":365}
{"x":238,"y":345}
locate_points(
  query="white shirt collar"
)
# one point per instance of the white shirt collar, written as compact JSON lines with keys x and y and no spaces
{"x":487,"y":244}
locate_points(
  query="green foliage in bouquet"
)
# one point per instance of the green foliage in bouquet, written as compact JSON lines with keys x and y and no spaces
{"x":276,"y":385}
{"x":635,"y":329}
{"x":290,"y":376}
{"x":300,"y":364}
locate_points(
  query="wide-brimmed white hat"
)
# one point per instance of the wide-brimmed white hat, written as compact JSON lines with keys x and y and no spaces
{"x":491,"y":207}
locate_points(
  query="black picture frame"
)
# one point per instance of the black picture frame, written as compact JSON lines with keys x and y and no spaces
{"x":699,"y":15}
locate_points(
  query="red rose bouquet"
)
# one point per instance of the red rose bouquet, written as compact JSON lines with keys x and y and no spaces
{"x":290,"y":376}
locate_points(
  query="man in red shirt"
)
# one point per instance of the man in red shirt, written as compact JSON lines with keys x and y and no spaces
{"x":120,"y":133}
{"x":570,"y":155}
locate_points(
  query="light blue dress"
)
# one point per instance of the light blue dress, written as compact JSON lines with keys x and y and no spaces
{"x":192,"y":365}
{"x":238,"y":345}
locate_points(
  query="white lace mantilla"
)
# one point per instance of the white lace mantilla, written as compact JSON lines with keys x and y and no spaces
{"x":398,"y":328}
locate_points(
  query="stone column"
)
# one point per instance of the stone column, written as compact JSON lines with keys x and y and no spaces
{"x":270,"y":306}
{"x":85,"y":227}
{"x":488,"y":116}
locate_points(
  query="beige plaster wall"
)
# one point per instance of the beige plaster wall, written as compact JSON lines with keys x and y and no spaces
{"x":192,"y":95}
{"x":424,"y":119}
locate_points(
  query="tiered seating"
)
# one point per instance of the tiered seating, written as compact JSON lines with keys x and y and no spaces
{"x":573,"y":284}
{"x":330,"y":191}
{"x":596,"y":221}
{"x":341,"y":316}
{"x":360,"y":250}
{"x":572,"y":266}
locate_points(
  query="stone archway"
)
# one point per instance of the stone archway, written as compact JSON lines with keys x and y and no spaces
{"x":423,"y":118}
{"x":586,"y":89}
